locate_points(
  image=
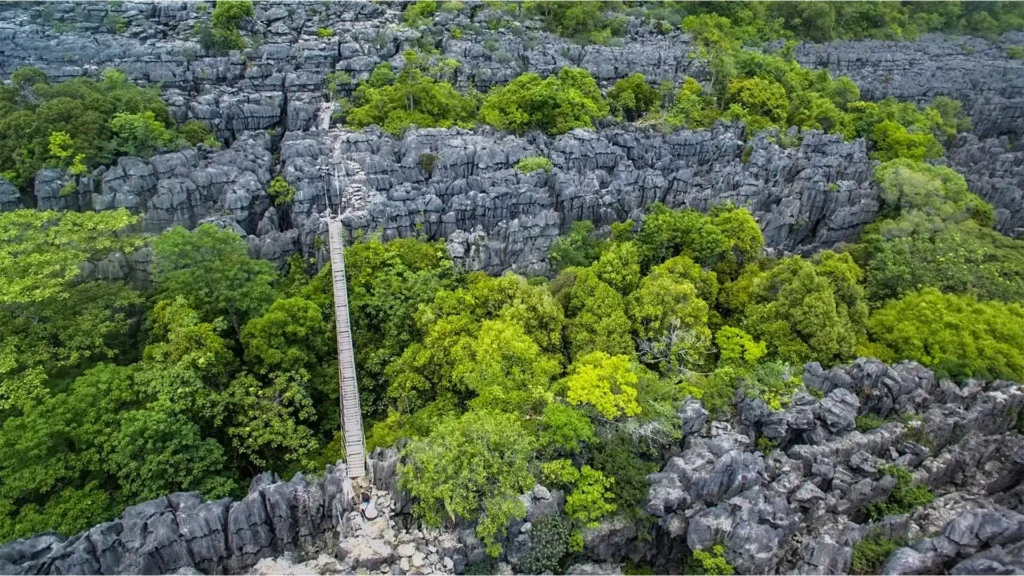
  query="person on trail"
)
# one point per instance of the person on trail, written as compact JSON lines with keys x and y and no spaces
{"x":367,"y":508}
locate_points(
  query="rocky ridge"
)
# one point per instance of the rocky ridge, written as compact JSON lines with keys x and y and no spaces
{"x":270,"y":100}
{"x":796,"y":508}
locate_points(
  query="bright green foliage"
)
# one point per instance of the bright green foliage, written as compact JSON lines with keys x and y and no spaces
{"x":618,"y":457}
{"x":222,"y":34}
{"x":737,"y":348}
{"x":51,"y":322}
{"x":420,"y":12}
{"x":683,"y":269}
{"x":291,"y":336}
{"x":670,"y":322}
{"x":807,"y":310}
{"x":140,"y":134}
{"x":904,"y":498}
{"x":583,"y":21}
{"x":212,"y":270}
{"x":40,"y":251}
{"x":902,"y":130}
{"x":870,"y":554}
{"x":507,"y":370}
{"x":711,"y":561}
{"x":868,"y":422}
{"x":534,"y":163}
{"x":608,"y":383}
{"x":619,"y":267}
{"x":549,"y":543}
{"x":280,"y":191}
{"x":324,"y":32}
{"x":759,"y":102}
{"x":577,"y":248}
{"x":559,"y":473}
{"x":631,"y":97}
{"x":412,"y":98}
{"x":556,"y":104}
{"x":468,"y":466}
{"x":693,"y":108}
{"x":82,"y":110}
{"x":595,"y":314}
{"x":564,"y":428}
{"x":590,"y":499}
{"x":956,"y":335}
{"x":723,"y":241}
{"x":937,"y":191}
{"x":937,"y":235}
{"x":396,"y":426}
{"x":103,"y":431}
{"x":455,"y":355}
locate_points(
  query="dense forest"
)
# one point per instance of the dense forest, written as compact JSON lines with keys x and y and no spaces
{"x":111,"y":394}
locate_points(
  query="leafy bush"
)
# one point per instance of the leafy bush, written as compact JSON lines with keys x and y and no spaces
{"x":868,"y":422}
{"x":608,"y":383}
{"x":222,"y":34}
{"x":419,"y":13}
{"x":473,"y":465}
{"x":1015,"y":52}
{"x":905,"y":497}
{"x":411,"y":98}
{"x":280,"y":191}
{"x":582,"y":21}
{"x":808,"y":309}
{"x":564,"y":428}
{"x":324,"y":32}
{"x":870,"y":553}
{"x":549,"y":540}
{"x":140,"y":134}
{"x":534,"y":163}
{"x":556,"y":104}
{"x":631,"y":97}
{"x":619,"y":458}
{"x":195,"y":132}
{"x":590,"y":499}
{"x":32,"y":110}
{"x":711,"y":561}
{"x":955,"y":335}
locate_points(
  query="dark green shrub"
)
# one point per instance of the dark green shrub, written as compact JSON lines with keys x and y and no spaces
{"x":577,"y":248}
{"x":556,"y":104}
{"x":905,"y":497}
{"x":280,"y":191}
{"x":419,"y":13}
{"x":427,"y":163}
{"x":632,"y":97}
{"x":534,"y":163}
{"x":867,"y":422}
{"x":550,"y":544}
{"x":869,"y":554}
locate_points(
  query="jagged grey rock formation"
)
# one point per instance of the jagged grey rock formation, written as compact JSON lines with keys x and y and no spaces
{"x":798,"y":508}
{"x":994,"y":170}
{"x":180,"y":531}
{"x":975,"y":71}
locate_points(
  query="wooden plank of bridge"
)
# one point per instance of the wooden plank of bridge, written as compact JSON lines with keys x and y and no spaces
{"x":351,"y":414}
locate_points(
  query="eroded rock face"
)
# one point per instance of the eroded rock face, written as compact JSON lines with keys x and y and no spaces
{"x":994,"y":170}
{"x":798,"y":508}
{"x":181,"y":532}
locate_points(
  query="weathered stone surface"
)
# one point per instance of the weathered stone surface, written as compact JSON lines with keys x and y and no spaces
{"x":181,"y":532}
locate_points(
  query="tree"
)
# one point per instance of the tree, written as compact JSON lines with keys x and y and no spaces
{"x":556,"y":104}
{"x":807,"y":310}
{"x":291,"y":336}
{"x":759,"y":102}
{"x":211,"y":268}
{"x":670,"y":322}
{"x":608,"y":383}
{"x":596,"y":317}
{"x":590,"y":499}
{"x":141,"y":134}
{"x":412,"y":98}
{"x":50,"y":321}
{"x":564,"y":428}
{"x":467,"y":466}
{"x":631,"y":97}
{"x":956,"y":335}
{"x":619,"y":267}
{"x":507,"y":370}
